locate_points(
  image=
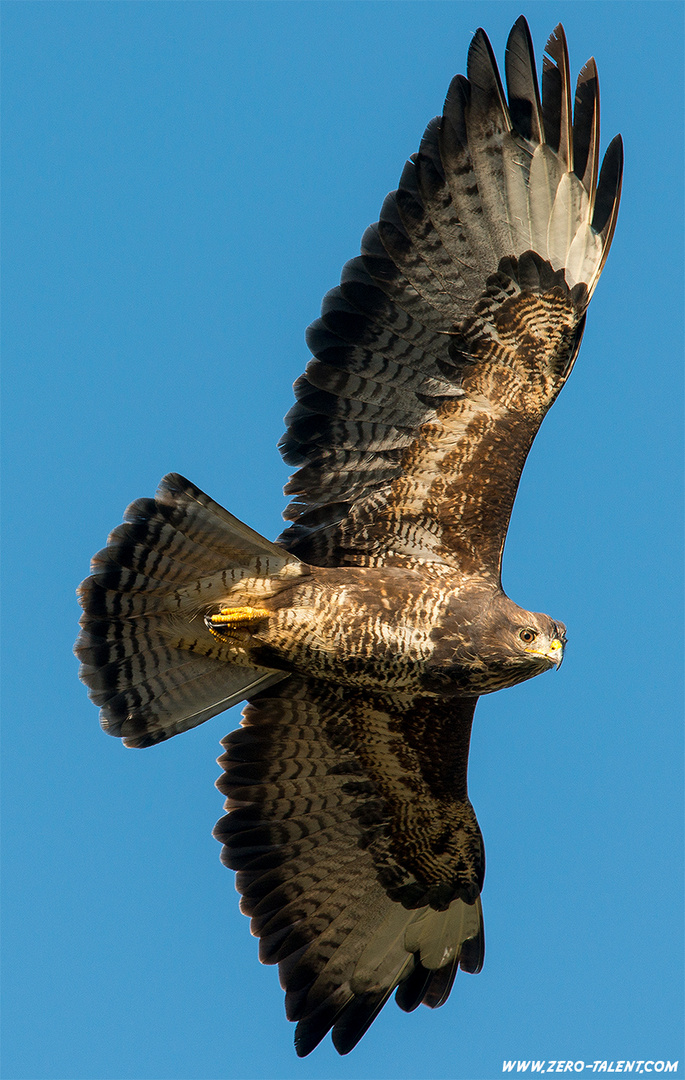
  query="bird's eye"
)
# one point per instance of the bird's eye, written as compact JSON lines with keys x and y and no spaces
{"x":527,"y":635}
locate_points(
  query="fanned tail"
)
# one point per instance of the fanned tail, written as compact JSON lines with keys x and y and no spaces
{"x":147,"y":655}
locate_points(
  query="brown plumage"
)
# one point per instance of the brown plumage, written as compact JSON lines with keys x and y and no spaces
{"x":363,"y":639}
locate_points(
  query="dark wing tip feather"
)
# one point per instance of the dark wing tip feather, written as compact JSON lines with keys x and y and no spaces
{"x":608,"y":197}
{"x":586,"y":127}
{"x":411,"y":991}
{"x":481,"y":65}
{"x":556,"y":95}
{"x":356,"y":1020}
{"x":310,"y":1031}
{"x":525,"y":107}
{"x":609,"y":189}
{"x":472,"y":955}
{"x":458,"y":97}
{"x":484,"y":78}
{"x":440,"y":986}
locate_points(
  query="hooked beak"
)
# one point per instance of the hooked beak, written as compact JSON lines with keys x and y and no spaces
{"x":555,"y":652}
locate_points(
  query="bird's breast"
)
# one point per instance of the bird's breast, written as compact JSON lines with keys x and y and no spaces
{"x":366,"y":626}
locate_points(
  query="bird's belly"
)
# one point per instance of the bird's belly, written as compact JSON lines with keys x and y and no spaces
{"x":374,"y":633}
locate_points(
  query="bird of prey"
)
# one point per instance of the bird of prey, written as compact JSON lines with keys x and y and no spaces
{"x":363,"y":638}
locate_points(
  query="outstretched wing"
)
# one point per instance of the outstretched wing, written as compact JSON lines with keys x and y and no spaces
{"x":448,"y":339}
{"x":359,"y":856}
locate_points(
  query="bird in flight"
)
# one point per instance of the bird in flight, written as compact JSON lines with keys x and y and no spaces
{"x":363,"y":638}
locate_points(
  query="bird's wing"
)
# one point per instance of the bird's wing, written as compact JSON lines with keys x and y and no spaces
{"x":448,"y":339}
{"x":359,"y":856}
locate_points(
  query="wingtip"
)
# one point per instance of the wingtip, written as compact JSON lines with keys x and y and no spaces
{"x":557,"y":45}
{"x":479,"y":42}
{"x":520,"y":27}
{"x":609,"y":189}
{"x":588,"y":70}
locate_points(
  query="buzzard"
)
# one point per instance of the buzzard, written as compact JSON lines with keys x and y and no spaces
{"x":363,"y":638}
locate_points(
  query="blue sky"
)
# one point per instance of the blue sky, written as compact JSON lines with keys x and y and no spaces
{"x":182,"y":183}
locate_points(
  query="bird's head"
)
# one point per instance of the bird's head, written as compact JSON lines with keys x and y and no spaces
{"x":517,"y":644}
{"x":545,"y":639}
{"x":527,"y":636}
{"x":494,"y":643}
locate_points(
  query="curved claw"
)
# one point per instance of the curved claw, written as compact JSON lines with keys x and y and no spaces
{"x":230,"y":620}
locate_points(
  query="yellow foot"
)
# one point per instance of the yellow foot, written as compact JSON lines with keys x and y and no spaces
{"x":230,"y":620}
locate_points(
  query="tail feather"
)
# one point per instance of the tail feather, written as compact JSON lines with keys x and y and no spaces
{"x":147,"y":657}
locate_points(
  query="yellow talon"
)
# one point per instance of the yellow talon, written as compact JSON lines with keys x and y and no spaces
{"x":231,"y":619}
{"x":239,"y":614}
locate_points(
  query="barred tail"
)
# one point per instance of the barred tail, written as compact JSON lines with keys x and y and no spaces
{"x":147,"y":656}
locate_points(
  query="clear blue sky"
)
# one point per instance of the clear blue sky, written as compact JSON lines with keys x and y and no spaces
{"x":182,"y":183}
